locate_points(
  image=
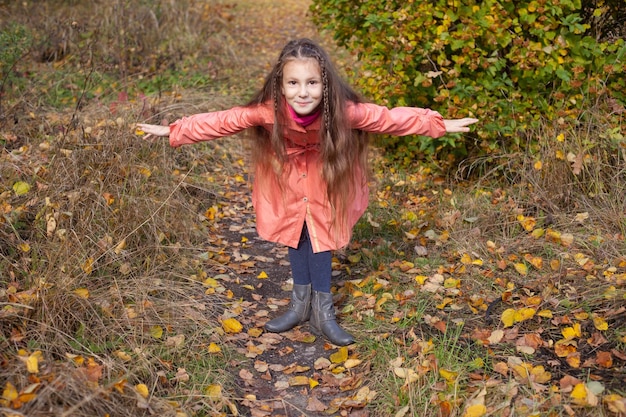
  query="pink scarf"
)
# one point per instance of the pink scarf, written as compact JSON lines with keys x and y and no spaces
{"x":304,"y":120}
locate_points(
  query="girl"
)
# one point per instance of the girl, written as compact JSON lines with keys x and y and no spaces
{"x":309,"y":152}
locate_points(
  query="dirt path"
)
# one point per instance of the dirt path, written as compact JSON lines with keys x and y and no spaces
{"x":282,"y":369}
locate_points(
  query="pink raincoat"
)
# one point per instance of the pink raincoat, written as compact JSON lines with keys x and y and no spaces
{"x":281,"y":213}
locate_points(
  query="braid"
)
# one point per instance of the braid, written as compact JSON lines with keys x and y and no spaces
{"x":326,"y":101}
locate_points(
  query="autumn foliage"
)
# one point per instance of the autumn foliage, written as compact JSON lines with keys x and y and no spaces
{"x":512,"y":64}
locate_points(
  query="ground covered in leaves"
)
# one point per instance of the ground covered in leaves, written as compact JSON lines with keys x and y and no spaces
{"x":133,"y":282}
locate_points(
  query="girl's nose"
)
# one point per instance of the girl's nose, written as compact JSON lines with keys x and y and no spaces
{"x":303,"y":91}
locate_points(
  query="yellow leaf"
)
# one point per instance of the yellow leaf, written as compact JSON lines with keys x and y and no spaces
{"x":540,"y":375}
{"x":452,"y":283}
{"x":262,"y":275}
{"x":340,"y":356}
{"x":421,"y":279}
{"x":547,"y":314}
{"x":521,"y":268}
{"x":214,"y":348}
{"x":119,"y":385}
{"x":142,"y":389}
{"x":232,"y":325}
{"x":88,"y":266}
{"x":528,"y":223}
{"x":600,"y":323}
{"x":122,"y":355}
{"x":573,"y":360}
{"x":145,"y":172}
{"x":555,"y":264}
{"x":9,"y":393}
{"x":448,"y":375}
{"x":214,"y":392}
{"x":82,"y":293}
{"x":508,"y":317}
{"x":156,"y":332}
{"x":32,"y":362}
{"x":466,"y":259}
{"x":476,"y":410}
{"x":536,"y":261}
{"x":537,"y":233}
{"x":120,"y":247}
{"x":24,"y":247}
{"x":210,"y":282}
{"x":560,"y":137}
{"x":210,"y":213}
{"x":21,"y":188}
{"x":313,"y":383}
{"x":525,"y":313}
{"x":255,"y":332}
{"x":572,"y":332}
{"x":579,"y":394}
{"x":553,"y":236}
{"x":538,"y":165}
{"x":354,"y":258}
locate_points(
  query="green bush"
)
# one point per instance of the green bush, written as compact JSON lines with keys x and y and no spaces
{"x":512,"y":64}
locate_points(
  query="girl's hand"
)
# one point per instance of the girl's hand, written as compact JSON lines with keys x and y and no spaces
{"x":458,"y":125}
{"x":153,"y":131}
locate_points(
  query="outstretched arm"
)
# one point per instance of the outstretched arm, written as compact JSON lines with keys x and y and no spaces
{"x":458,"y":125}
{"x":153,"y":131}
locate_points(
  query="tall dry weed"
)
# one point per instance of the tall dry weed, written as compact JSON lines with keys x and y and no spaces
{"x":101,"y":251}
{"x":569,"y":177}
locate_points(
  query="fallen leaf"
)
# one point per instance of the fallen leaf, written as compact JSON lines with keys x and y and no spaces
{"x":521,"y":269}
{"x":600,"y":323}
{"x":214,"y":392}
{"x":340,"y":356}
{"x":495,"y":337}
{"x":508,"y":317}
{"x":82,"y":293}
{"x":156,"y":332}
{"x":314,"y":404}
{"x":21,"y":188}
{"x":476,"y":410}
{"x":142,"y":389}
{"x":232,"y":325}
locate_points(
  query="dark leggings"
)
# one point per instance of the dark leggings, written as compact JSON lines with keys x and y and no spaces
{"x":308,"y":267}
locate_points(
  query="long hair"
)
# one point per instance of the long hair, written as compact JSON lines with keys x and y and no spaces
{"x":343,"y":150}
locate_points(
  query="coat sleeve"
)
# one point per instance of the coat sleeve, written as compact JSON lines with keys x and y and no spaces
{"x":208,"y":126}
{"x":398,"y":121}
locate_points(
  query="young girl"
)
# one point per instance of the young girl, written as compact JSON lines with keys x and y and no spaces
{"x":310,"y":157}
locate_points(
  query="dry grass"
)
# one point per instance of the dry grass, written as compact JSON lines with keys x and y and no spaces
{"x":101,"y":254}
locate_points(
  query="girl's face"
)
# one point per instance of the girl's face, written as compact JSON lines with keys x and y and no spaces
{"x":302,"y":85}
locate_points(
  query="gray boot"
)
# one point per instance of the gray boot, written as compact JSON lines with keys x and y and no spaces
{"x":323,"y":319}
{"x":299,"y":310}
